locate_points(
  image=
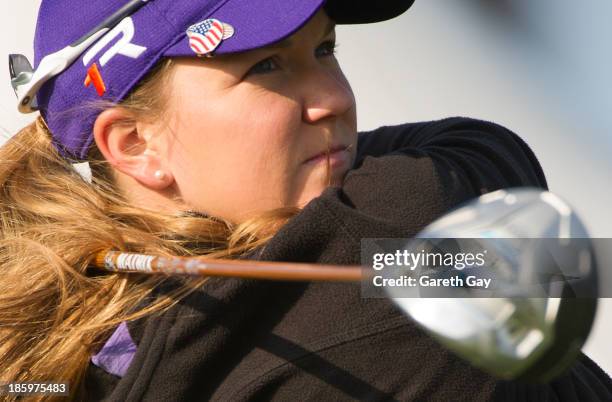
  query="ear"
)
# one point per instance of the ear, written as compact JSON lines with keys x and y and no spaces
{"x":129,"y":147}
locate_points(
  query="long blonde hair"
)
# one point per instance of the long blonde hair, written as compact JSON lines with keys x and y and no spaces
{"x":54,"y":313}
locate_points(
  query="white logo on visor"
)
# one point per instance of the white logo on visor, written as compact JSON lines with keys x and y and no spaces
{"x":122,"y":47}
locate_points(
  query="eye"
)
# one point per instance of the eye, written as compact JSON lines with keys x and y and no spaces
{"x":264,"y":67}
{"x":269,"y":65}
{"x":327,"y":49}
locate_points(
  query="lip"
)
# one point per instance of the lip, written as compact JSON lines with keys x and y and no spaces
{"x":338,"y":155}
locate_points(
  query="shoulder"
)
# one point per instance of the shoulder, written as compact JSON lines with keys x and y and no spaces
{"x":457,"y":140}
{"x":420,"y":133}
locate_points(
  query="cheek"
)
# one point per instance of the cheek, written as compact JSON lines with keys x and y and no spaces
{"x":253,"y":131}
{"x":239,"y":149}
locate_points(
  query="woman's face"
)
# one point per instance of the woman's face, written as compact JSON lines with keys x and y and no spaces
{"x":243,"y":128}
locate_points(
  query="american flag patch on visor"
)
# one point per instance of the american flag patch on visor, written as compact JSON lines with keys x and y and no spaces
{"x":205,"y":36}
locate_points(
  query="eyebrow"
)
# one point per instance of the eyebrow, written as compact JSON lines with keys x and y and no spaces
{"x":287,"y":42}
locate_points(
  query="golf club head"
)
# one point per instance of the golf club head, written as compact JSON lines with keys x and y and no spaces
{"x":21,"y":71}
{"x":532,"y":325}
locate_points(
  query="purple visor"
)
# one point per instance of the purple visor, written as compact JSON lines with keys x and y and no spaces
{"x":109,"y":68}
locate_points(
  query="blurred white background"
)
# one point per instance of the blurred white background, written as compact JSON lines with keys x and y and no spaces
{"x":541,"y":68}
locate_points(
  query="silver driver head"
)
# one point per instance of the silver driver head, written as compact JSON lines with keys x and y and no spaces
{"x":538,"y":313}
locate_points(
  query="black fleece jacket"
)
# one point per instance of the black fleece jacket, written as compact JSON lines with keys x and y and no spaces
{"x":239,"y":340}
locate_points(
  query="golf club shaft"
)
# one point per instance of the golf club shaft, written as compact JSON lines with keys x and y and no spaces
{"x":201,"y":266}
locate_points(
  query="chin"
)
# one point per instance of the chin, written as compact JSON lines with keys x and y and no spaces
{"x":314,"y":193}
{"x":311,"y":195}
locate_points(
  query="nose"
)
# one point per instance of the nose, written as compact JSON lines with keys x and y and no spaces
{"x":327,"y":93}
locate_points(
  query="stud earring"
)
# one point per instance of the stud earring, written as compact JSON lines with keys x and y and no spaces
{"x":160,"y":175}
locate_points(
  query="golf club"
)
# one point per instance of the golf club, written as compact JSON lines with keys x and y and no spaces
{"x":531,"y":327}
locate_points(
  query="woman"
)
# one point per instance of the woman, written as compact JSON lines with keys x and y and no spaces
{"x":227,"y":129}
